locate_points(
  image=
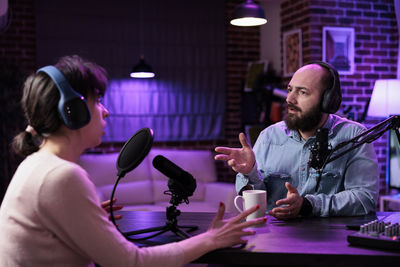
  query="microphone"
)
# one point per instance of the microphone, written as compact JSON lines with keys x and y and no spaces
{"x":181,"y":182}
{"x":319,"y":150}
{"x":319,"y":153}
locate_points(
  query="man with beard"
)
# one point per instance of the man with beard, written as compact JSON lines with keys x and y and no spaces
{"x":279,"y":162}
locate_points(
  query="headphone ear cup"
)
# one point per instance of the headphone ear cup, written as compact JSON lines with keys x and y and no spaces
{"x":72,"y":106}
{"x":331,"y":101}
{"x":74,"y":113}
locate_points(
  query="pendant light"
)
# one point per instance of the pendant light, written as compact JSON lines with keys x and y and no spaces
{"x":248,"y":14}
{"x":142,"y":69}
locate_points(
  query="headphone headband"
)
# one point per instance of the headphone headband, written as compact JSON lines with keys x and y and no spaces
{"x":332,"y":97}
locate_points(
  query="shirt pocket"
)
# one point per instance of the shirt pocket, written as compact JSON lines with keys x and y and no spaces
{"x":330,"y":182}
{"x":275,"y":185}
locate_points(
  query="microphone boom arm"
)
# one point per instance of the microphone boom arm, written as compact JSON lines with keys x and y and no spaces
{"x":368,"y":136}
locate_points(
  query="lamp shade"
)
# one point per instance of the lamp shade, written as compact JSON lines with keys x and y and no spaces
{"x":248,"y":14}
{"x":142,"y":70}
{"x":385,"y":99}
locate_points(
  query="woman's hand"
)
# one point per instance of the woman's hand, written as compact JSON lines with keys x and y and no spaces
{"x":106,"y":206}
{"x":221,"y":234}
{"x":230,"y":232}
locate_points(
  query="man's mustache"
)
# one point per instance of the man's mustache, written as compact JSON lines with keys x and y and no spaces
{"x":293,"y":107}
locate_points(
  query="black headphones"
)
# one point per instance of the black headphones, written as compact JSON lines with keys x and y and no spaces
{"x":72,"y":106}
{"x":332,"y":97}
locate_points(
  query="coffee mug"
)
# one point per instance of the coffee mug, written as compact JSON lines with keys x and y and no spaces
{"x":251,"y":198}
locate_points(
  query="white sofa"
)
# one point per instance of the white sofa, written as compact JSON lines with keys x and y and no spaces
{"x":143,"y":188}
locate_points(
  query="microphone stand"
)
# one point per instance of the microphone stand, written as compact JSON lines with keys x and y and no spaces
{"x":170,"y":225}
{"x":368,"y":136}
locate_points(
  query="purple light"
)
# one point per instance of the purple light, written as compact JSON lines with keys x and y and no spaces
{"x":384,"y":99}
{"x":142,"y":75}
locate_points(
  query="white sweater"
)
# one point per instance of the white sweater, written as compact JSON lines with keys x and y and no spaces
{"x":51,"y":216}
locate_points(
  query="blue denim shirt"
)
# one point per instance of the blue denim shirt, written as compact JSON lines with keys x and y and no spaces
{"x":349,"y":185}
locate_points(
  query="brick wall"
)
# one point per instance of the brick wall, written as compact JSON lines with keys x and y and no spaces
{"x":18,"y":40}
{"x":17,"y":59}
{"x":376,"y":42}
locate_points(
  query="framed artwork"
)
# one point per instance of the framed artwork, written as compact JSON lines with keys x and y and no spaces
{"x":254,"y":70}
{"x":292,"y":52}
{"x":338,"y":48}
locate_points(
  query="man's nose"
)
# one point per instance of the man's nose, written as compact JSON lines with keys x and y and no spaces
{"x":291,"y":98}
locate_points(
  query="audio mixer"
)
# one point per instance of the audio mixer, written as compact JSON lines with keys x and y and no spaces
{"x":382,"y":233}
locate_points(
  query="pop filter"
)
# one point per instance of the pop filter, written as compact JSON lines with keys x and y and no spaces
{"x":134,"y":151}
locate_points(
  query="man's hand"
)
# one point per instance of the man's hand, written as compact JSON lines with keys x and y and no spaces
{"x":106,"y":206}
{"x":240,"y":159}
{"x":292,"y":204}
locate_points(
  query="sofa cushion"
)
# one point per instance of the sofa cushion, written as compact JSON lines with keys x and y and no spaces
{"x":139,"y":192}
{"x":222,"y":192}
{"x":103,"y":171}
{"x":100,"y":167}
{"x":199,"y":163}
{"x":160,"y":186}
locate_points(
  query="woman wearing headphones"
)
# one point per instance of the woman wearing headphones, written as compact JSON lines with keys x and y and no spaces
{"x":51,"y":214}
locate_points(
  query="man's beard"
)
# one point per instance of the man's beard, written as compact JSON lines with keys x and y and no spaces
{"x":306,"y":122}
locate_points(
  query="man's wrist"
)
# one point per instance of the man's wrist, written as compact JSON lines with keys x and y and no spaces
{"x":306,"y":208}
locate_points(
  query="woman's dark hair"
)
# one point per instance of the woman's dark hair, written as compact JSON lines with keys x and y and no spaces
{"x":40,"y":99}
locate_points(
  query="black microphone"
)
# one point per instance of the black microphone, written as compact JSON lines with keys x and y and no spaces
{"x":319,"y":150}
{"x":185,"y":182}
{"x":319,"y":153}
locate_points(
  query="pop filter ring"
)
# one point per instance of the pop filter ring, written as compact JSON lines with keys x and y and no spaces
{"x":145,"y":138}
{"x":137,"y":151}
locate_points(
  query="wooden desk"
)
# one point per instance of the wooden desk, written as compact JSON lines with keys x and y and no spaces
{"x":300,"y":242}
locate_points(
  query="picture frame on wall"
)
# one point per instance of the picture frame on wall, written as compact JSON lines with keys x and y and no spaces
{"x":338,"y":48}
{"x":292,"y":52}
{"x":254,"y":70}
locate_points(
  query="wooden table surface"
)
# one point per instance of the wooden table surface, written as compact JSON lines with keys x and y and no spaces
{"x":299,"y":242}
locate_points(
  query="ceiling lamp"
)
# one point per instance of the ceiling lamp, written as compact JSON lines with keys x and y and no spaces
{"x":142,"y":70}
{"x":248,"y":14}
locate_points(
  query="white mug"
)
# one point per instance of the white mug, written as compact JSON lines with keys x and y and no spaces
{"x":251,"y":198}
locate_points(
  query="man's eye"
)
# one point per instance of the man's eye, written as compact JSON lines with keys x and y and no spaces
{"x":100,"y":99}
